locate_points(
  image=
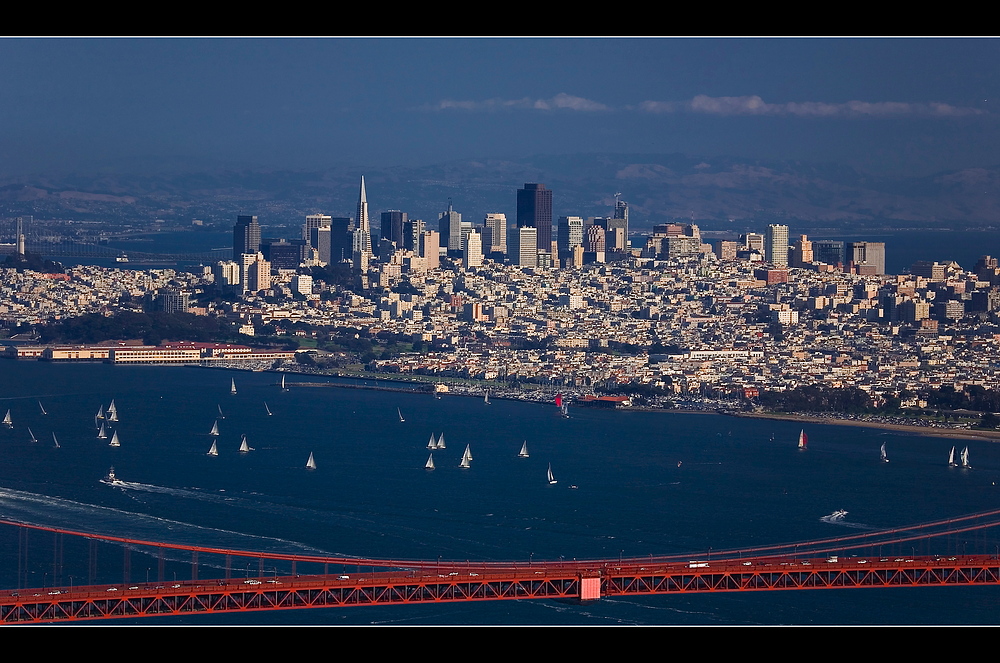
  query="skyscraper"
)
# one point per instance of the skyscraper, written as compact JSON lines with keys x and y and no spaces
{"x":363,"y":234}
{"x":867,"y":257}
{"x":393,"y":224}
{"x":776,"y":245}
{"x":534,"y":210}
{"x":246,"y":236}
{"x":450,"y":227}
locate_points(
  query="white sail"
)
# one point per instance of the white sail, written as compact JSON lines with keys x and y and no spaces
{"x":283,"y":383}
{"x":524,"y":450}
{"x":432,"y":444}
{"x":232,"y":389}
{"x":100,"y":413}
{"x":214,"y":451}
{"x":311,"y":463}
{"x":429,"y":465}
{"x":41,"y":408}
{"x":885,"y":459}
{"x":221,"y":416}
{"x":32,"y":435}
{"x":965,"y":458}
{"x":244,"y":447}
{"x":951,"y":458}
{"x":401,"y":420}
{"x":55,"y":440}
{"x":114,"y":440}
{"x":440,"y":444}
{"x":466,"y":457}
{"x":7,"y":420}
{"x":267,"y":409}
{"x":486,"y":399}
{"x":102,"y":434}
{"x":112,"y":412}
{"x":215,"y":428}
{"x":551,"y":478}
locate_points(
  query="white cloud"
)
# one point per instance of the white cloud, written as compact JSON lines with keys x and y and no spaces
{"x":754,"y":105}
{"x":559,"y":102}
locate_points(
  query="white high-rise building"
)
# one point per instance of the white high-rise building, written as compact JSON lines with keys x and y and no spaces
{"x":472,"y":252}
{"x":315,"y":221}
{"x":522,"y":246}
{"x":495,"y":233}
{"x":776,"y":245}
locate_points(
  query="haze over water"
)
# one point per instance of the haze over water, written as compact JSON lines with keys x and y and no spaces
{"x":371,"y":496}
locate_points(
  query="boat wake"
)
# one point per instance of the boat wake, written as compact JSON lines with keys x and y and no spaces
{"x":34,"y":509}
{"x":837,"y":518}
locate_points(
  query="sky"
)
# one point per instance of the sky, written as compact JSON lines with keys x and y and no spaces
{"x":884,"y":106}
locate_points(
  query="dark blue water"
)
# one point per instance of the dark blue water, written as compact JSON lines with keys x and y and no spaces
{"x":370,"y":495}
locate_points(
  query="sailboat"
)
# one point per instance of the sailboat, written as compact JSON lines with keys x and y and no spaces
{"x":440,"y":444}
{"x":244,"y":447}
{"x":803,"y":439}
{"x":33,"y":438}
{"x":885,"y":459}
{"x":283,"y":387}
{"x":7,"y":421}
{"x":102,"y":434}
{"x":951,"y":458}
{"x":267,"y":409}
{"x":965,"y":458}
{"x":214,"y":451}
{"x":565,"y":410}
{"x":311,"y":463}
{"x":232,"y":389}
{"x":524,"y":450}
{"x":432,"y":444}
{"x":215,"y":428}
{"x":429,"y":465}
{"x":466,"y":458}
{"x":112,"y":412}
{"x":42,"y":408}
{"x":401,"y":420}
{"x":552,"y":479}
{"x":114,"y":440}
{"x":221,"y":416}
{"x":55,"y":440}
{"x":100,"y":413}
{"x":486,"y":399}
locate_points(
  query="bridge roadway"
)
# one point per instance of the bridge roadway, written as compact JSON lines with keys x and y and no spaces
{"x":444,"y":582}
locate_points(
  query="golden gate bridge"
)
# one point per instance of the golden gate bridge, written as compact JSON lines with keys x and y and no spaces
{"x":950,"y":552}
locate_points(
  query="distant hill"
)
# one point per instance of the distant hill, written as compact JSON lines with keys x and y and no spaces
{"x":658,"y":188}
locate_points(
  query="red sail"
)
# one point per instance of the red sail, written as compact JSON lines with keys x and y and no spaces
{"x":558,"y":400}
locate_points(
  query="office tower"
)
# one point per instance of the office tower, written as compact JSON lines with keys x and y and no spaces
{"x":285,"y":254}
{"x":725,"y":250}
{"x":321,"y":240}
{"x":776,"y":245}
{"x":430,"y":248}
{"x":534,"y":210}
{"x":495,"y":233}
{"x":315,"y":221}
{"x":867,"y":257}
{"x":450,"y":226}
{"x":829,"y":251}
{"x":473,"y":250}
{"x":173,"y":300}
{"x":393,"y":227}
{"x":363,"y":234}
{"x":570,"y":235}
{"x":753,"y":242}
{"x":522,"y":246}
{"x":802,"y":252}
{"x":341,"y":239}
{"x":302,"y":284}
{"x":255,"y":272}
{"x":412,"y":230}
{"x":246,"y":236}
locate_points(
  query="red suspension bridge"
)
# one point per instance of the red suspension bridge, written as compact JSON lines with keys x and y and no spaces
{"x":220,"y":580}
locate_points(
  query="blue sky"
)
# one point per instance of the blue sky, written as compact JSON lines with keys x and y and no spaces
{"x":894,"y":106}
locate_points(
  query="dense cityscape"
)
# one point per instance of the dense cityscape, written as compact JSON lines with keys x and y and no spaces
{"x":677,"y":321}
